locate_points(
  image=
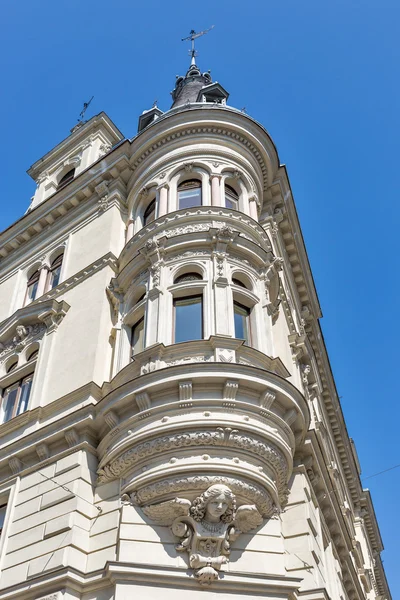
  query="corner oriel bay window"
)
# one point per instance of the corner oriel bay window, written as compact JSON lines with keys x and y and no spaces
{"x":189,"y":194}
{"x":138,"y":337}
{"x":188,"y":319}
{"x":15,"y":398}
{"x":242,"y":322}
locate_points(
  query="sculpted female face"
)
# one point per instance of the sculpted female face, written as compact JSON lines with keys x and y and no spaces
{"x":216,"y":507}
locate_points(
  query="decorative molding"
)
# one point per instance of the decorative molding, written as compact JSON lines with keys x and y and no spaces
{"x":107,"y":260}
{"x":24,"y":335}
{"x":170,"y":487}
{"x":54,"y":315}
{"x":102,"y":191}
{"x":219,"y":437}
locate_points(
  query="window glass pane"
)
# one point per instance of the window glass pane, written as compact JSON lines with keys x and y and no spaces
{"x":241,"y":316}
{"x":138,"y":337}
{"x":32,"y":289}
{"x":55,"y":276}
{"x":150,"y":213}
{"x":190,"y":197}
{"x":188,"y":319}
{"x":230,"y":203}
{"x":24,"y":395}
{"x":2,"y":516}
{"x":9,"y":399}
{"x":231,"y":198}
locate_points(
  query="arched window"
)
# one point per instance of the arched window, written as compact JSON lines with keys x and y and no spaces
{"x":231,"y":198}
{"x":236,"y":281}
{"x":31,"y":287}
{"x":150,"y":213}
{"x":188,"y":318}
{"x":242,"y":322}
{"x":188,"y":277}
{"x":54,"y":272}
{"x":189,"y":194}
{"x":65,"y":179}
{"x":137,"y":341}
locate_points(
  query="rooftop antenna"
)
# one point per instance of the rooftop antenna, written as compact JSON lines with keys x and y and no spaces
{"x":193,"y":36}
{"x":84,"y":109}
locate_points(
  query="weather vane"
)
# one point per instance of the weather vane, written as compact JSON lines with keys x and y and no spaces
{"x":193,"y":36}
{"x":84,"y":109}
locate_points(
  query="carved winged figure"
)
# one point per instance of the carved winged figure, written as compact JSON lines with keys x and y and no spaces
{"x":206,"y":527}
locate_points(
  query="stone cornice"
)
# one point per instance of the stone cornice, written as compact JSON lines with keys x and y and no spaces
{"x":96,"y":123}
{"x":50,"y":312}
{"x":282,"y":215}
{"x":65,"y":200}
{"x":204,"y":120}
{"x":107,"y":260}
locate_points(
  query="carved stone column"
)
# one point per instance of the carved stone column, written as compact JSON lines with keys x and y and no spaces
{"x":253,"y":208}
{"x":215,"y":190}
{"x":44,"y":271}
{"x":129,"y":230}
{"x":163,"y":199}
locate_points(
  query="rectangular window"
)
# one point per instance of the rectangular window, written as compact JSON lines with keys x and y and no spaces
{"x":242,"y":322}
{"x":138,"y":337}
{"x":189,"y":194}
{"x":15,"y":399}
{"x":188,"y":313}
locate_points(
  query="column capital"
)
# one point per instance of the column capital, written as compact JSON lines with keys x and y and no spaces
{"x":216,"y":175}
{"x":162,"y":186}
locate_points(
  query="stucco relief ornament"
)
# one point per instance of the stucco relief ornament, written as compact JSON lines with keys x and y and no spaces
{"x":206,"y":527}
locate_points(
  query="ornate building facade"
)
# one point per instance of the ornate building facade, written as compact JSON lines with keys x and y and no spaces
{"x":169,"y":422}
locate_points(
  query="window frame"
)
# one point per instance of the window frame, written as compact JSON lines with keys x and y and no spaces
{"x":247,"y":339}
{"x":233,"y":197}
{"x":3,"y":397}
{"x":182,"y":298}
{"x":56,"y":264}
{"x":187,"y":185}
{"x":66,"y":178}
{"x":153,"y":205}
{"x":139,"y":320}
{"x":32,"y":281}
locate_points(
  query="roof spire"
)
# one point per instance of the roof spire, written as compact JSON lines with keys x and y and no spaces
{"x":193,"y":36}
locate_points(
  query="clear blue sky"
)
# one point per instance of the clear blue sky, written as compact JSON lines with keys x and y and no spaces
{"x":323,"y":78}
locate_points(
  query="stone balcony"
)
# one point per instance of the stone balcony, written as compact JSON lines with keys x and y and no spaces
{"x":183,"y":417}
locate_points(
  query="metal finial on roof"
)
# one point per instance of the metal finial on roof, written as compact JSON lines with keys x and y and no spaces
{"x":193,"y":36}
{"x":84,"y":109}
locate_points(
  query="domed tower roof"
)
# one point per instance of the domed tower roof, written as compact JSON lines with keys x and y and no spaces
{"x":187,"y":88}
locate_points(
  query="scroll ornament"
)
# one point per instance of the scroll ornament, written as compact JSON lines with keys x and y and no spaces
{"x":206,"y":527}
